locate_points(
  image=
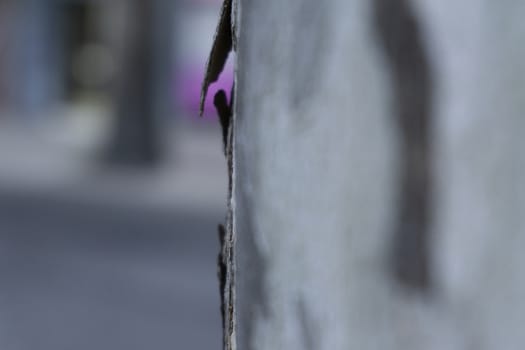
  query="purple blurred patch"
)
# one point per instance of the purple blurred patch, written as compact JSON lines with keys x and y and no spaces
{"x":188,"y":90}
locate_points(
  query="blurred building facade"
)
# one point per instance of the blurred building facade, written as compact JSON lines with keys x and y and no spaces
{"x":42,"y":43}
{"x":115,"y":53}
{"x":139,"y":61}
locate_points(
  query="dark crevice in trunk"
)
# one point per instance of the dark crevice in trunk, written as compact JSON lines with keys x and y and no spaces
{"x":399,"y":37}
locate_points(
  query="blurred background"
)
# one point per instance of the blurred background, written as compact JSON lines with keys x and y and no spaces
{"x":111,"y":187}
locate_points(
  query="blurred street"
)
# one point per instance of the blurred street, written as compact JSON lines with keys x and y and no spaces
{"x":97,"y":259}
{"x":111,"y":187}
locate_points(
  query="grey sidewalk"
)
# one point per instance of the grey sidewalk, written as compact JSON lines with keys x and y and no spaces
{"x":91,"y":259}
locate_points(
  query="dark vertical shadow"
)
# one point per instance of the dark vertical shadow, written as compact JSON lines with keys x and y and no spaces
{"x":135,"y":136}
{"x":399,"y":37}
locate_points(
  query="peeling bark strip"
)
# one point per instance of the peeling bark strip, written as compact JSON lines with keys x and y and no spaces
{"x":225,"y":259}
{"x":221,"y":270}
{"x":227,"y":249}
{"x":400,"y":39}
{"x":222,"y":45}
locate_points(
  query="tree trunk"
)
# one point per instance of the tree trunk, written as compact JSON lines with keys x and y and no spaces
{"x":142,"y":92}
{"x":378,"y":195}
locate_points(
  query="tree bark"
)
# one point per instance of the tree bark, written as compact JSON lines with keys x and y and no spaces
{"x":377,"y":178}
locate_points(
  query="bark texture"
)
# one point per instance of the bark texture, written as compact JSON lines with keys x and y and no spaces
{"x":377,"y":146}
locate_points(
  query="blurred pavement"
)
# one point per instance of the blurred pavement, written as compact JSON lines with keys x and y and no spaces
{"x":92,"y":258}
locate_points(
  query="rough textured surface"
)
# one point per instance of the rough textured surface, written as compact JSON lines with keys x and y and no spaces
{"x":303,"y":154}
{"x":318,"y":163}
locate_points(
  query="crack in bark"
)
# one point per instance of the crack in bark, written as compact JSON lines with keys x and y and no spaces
{"x":399,"y":37}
